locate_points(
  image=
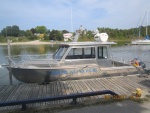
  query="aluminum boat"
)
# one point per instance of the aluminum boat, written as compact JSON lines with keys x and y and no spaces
{"x":72,"y":60}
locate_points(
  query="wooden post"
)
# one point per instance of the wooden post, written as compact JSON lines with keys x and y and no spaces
{"x":9,"y":61}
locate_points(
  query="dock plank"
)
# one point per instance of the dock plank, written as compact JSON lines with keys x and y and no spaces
{"x":131,"y":85}
{"x":117,"y":86}
{"x":121,"y":85}
{"x":135,"y":82}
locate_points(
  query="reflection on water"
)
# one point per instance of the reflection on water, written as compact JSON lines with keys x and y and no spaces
{"x":29,"y":49}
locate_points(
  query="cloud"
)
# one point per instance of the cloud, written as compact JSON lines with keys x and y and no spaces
{"x":57,"y":14}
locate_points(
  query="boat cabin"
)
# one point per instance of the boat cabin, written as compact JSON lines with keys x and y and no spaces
{"x":84,"y":53}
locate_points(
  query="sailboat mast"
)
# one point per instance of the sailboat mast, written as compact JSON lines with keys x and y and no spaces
{"x":147,"y":24}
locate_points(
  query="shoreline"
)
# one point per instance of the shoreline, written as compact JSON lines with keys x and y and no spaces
{"x":36,"y":42}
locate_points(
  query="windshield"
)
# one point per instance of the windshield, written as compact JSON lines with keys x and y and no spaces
{"x":60,"y":52}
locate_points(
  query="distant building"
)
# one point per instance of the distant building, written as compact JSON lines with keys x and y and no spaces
{"x":82,"y":30}
{"x":39,"y":35}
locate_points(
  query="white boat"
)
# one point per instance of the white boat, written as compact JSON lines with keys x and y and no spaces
{"x":72,"y":60}
{"x":145,"y":41}
{"x":141,"y":42}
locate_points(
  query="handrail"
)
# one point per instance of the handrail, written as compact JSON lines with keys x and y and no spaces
{"x":30,"y":55}
{"x":13,"y":59}
{"x":54,"y":98}
{"x":9,"y":59}
{"x":48,"y":63}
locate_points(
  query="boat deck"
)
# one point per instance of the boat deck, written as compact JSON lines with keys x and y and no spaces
{"x":122,"y":85}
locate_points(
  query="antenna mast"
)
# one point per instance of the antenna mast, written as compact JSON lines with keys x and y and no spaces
{"x":146,"y":24}
{"x":71,"y":21}
{"x":147,"y":37}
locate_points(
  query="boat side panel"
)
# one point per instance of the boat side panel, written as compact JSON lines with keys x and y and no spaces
{"x":48,"y":75}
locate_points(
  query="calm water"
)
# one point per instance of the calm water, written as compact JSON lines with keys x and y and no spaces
{"x":21,"y":50}
{"x":126,"y":53}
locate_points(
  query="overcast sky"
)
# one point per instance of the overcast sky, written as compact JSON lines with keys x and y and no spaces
{"x":56,"y":14}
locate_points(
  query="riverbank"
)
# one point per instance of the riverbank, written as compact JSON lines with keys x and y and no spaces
{"x":35,"y":42}
{"x":38,"y":42}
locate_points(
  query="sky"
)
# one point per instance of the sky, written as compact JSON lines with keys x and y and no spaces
{"x":71,"y":14}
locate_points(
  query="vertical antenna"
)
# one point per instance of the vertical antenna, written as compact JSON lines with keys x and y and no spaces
{"x":71,"y":21}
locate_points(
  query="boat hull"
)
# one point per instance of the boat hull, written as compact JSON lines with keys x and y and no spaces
{"x":48,"y":75}
{"x":141,"y":42}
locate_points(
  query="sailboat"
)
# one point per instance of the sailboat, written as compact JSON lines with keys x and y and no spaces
{"x":147,"y":38}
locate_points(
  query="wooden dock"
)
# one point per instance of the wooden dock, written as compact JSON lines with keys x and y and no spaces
{"x":122,"y":85}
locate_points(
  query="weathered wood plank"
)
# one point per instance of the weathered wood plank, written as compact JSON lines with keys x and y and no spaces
{"x":121,"y":85}
{"x":130,"y":84}
{"x":117,"y":86}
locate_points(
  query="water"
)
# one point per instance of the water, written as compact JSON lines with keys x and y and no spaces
{"x":127,"y":53}
{"x":124,"y":53}
{"x":21,"y":50}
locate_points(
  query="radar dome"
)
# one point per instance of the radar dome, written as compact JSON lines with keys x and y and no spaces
{"x":103,"y":37}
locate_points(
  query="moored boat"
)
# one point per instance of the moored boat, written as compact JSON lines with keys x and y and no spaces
{"x":72,"y":60}
{"x":146,"y":40}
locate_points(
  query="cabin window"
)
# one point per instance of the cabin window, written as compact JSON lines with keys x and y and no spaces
{"x":60,"y":52}
{"x":89,"y":52}
{"x":75,"y":53}
{"x":102,"y":52}
{"x":81,"y":53}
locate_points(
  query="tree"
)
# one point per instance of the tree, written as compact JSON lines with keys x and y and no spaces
{"x":48,"y":32}
{"x":41,"y":29}
{"x":33,"y":30}
{"x":15,"y":31}
{"x":64,"y":31}
{"x":4,"y":32}
{"x":56,"y":35}
{"x":11,"y":31}
{"x":28,"y":33}
{"x":89,"y":34}
{"x":7,"y":31}
{"x":22,"y":33}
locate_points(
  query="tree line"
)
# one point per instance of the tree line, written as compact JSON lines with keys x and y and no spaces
{"x":31,"y":34}
{"x":16,"y":32}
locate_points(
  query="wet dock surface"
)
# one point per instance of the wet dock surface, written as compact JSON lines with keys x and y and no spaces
{"x":122,"y":85}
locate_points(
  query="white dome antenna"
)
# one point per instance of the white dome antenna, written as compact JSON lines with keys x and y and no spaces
{"x":102,"y":37}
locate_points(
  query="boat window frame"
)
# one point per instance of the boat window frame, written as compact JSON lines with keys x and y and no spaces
{"x":83,"y":56}
{"x":102,"y":52}
{"x":60,"y":57}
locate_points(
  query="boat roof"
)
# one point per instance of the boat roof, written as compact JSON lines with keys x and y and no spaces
{"x":86,"y":43}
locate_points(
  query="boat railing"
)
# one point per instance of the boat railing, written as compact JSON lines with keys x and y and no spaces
{"x":121,"y":60}
{"x":127,"y":60}
{"x":2,"y":61}
{"x":28,"y":59}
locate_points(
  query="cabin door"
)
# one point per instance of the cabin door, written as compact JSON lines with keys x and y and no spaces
{"x":102,"y":57}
